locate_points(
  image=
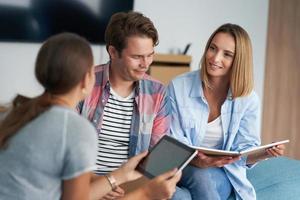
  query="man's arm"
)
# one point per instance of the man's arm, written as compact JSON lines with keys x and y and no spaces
{"x":162,"y":120}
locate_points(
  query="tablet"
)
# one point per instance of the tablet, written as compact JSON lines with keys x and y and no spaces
{"x":166,"y":155}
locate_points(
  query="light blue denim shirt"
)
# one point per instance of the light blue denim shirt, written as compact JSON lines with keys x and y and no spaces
{"x":240,"y":120}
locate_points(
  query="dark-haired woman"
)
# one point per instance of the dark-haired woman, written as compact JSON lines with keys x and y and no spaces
{"x":47,"y":151}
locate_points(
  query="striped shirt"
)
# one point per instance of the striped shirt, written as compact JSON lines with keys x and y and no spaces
{"x":113,"y":140}
{"x":151,"y":112}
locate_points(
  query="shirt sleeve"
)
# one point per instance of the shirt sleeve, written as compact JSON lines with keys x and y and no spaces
{"x":80,"y":147}
{"x":161,"y":122}
{"x":248,"y":134}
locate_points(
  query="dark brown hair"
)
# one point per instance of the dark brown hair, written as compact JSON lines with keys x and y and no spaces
{"x":123,"y":25}
{"x":62,"y":62}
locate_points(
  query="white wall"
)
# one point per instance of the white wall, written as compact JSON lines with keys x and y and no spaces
{"x":17,"y":69}
{"x":178,"y":22}
{"x":192,"y":21}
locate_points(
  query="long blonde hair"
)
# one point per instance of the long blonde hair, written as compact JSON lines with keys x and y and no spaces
{"x":61,"y":64}
{"x":241,"y":79}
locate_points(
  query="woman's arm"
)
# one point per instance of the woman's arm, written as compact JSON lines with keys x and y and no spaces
{"x":100,"y":185}
{"x":77,"y":188}
{"x":161,"y":187}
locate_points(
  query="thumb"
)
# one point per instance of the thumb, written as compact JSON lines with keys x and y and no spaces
{"x":139,"y":157}
{"x":177,"y":176}
{"x":201,"y":155}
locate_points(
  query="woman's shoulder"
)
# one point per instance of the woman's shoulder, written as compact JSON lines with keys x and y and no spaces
{"x":251,"y":99}
{"x":252,"y":96}
{"x":71,"y":118}
{"x":187,"y":77}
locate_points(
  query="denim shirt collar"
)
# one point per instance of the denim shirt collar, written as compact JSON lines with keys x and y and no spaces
{"x":197,"y":91}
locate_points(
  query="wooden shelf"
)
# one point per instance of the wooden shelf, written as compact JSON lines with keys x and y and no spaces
{"x":165,"y":67}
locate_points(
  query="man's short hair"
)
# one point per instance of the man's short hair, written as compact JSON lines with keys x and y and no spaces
{"x":123,"y":25}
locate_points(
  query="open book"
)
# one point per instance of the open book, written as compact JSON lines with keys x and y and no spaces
{"x":253,"y":150}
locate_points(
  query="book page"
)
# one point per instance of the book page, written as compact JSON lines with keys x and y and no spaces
{"x":254,"y":150}
{"x":261,"y":149}
{"x":216,"y":152}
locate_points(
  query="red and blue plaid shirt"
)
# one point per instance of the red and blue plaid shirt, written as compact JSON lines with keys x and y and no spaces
{"x":151,"y":114}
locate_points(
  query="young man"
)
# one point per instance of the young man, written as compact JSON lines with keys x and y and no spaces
{"x":129,"y":109}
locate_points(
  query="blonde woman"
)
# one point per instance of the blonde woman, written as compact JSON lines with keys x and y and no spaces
{"x":216,"y":107}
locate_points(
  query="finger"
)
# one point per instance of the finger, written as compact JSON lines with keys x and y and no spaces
{"x":223,"y":162}
{"x":201,"y":155}
{"x":119,"y":190}
{"x":272,"y":153}
{"x":139,"y":157}
{"x":220,"y":164}
{"x":107,"y":198}
{"x":113,"y":195}
{"x":177,"y":176}
{"x":278,"y":151}
{"x":219,"y":158}
{"x":269,"y":152}
{"x":281,"y":146}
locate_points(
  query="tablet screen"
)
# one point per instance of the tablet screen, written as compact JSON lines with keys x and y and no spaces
{"x":167,"y":154}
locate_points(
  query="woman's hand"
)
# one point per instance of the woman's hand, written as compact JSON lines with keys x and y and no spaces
{"x":114,"y":194}
{"x":127,"y":171}
{"x":124,"y":174}
{"x":276,"y":150}
{"x":163,"y":186}
{"x":204,"y":161}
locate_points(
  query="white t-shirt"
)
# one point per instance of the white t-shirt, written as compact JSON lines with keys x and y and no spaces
{"x":213,"y":137}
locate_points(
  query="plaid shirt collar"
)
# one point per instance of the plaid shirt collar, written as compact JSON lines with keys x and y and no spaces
{"x":106,"y":83}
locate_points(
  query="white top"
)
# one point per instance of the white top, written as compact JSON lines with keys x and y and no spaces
{"x":113,"y":140}
{"x":213,"y":137}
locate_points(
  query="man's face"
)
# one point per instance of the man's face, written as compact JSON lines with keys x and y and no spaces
{"x":134,"y":60}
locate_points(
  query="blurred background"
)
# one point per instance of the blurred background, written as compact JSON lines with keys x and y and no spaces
{"x":273,"y":26}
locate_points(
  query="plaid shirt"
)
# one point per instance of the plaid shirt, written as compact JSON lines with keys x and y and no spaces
{"x":151,"y":114}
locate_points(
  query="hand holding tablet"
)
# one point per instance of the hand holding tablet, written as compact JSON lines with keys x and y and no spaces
{"x":166,"y":155}
{"x":170,"y":153}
